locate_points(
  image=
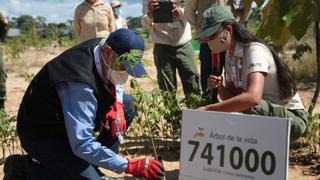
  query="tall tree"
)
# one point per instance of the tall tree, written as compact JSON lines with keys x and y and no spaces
{"x":41,"y":22}
{"x":26,"y":23}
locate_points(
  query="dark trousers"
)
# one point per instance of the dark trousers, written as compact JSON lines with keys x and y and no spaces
{"x":207,"y":69}
{"x":169,"y":60}
{"x":57,"y":160}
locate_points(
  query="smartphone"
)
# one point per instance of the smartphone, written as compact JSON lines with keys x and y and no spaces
{"x":164,"y":13}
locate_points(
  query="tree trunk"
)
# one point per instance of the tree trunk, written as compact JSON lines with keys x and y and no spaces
{"x":316,"y":93}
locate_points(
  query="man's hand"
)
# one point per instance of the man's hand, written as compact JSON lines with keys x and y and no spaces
{"x":214,"y":81}
{"x":176,"y":11}
{"x":115,"y":120}
{"x":153,"y":4}
{"x":147,"y":167}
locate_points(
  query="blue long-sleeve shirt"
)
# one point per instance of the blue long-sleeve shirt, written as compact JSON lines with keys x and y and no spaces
{"x":79,"y":107}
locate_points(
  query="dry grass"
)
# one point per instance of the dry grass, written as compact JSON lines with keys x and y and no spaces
{"x":304,"y":69}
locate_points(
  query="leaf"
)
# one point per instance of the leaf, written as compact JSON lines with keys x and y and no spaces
{"x":273,"y":25}
{"x":299,"y":18}
{"x":315,"y":9}
{"x":284,"y":18}
{"x":287,"y":5}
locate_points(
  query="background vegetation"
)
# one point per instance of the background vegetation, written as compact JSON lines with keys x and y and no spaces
{"x":160,"y":113}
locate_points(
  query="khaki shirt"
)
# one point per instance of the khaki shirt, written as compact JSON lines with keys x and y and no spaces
{"x":93,"y":21}
{"x":174,"y":34}
{"x":195,"y":8}
{"x":256,"y":57}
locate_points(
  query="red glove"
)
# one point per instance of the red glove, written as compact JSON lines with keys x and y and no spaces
{"x":116,"y":111}
{"x":147,"y":167}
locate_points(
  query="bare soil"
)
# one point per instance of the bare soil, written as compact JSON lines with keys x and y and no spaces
{"x":302,"y":166}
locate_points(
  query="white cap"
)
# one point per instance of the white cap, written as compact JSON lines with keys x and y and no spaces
{"x":115,"y":3}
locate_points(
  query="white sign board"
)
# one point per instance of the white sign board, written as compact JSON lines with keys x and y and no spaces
{"x":227,"y":146}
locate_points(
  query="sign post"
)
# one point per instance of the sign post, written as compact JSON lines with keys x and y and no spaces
{"x":226,"y":146}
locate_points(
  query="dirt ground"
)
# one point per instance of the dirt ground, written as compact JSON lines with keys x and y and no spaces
{"x":32,"y":60}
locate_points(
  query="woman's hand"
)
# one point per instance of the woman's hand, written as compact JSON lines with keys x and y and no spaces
{"x":214,"y":81}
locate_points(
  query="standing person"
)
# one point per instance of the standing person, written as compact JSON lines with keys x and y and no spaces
{"x":66,"y":103}
{"x":172,"y":49}
{"x":4,"y":27}
{"x":257,"y":81}
{"x":92,"y":19}
{"x":116,"y":8}
{"x":210,"y":64}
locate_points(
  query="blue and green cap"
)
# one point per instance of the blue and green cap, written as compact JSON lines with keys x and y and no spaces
{"x":129,"y":45}
{"x":212,"y":19}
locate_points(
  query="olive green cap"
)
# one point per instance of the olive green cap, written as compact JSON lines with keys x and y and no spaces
{"x":212,"y":19}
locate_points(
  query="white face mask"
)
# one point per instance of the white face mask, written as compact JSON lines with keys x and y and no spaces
{"x":220,"y":43}
{"x":116,"y":77}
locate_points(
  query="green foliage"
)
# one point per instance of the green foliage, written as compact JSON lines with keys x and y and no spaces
{"x":28,"y":77}
{"x":35,"y":32}
{"x":160,"y":113}
{"x":52,"y":32}
{"x":287,"y":18}
{"x":8,"y":133}
{"x":300,"y":50}
{"x":15,"y":46}
{"x":276,"y":47}
{"x":41,"y":21}
{"x":312,"y":134}
{"x":279,"y":33}
{"x":298,"y":15}
{"x":134,"y":22}
{"x":26,"y":23}
{"x":254,"y":20}
{"x":255,"y":12}
{"x":67,"y":41}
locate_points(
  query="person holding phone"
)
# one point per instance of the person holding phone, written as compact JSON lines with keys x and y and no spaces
{"x":172,"y":49}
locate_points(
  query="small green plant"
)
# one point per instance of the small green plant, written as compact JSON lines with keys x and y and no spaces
{"x":300,"y":50}
{"x":28,"y":77}
{"x":160,"y":114}
{"x":312,"y":134}
{"x":8,"y":133}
